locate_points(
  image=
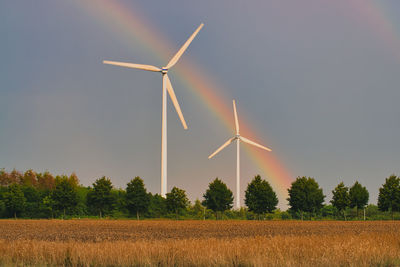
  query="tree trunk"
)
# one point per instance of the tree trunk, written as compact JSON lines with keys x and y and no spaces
{"x":357,"y":212}
{"x":391,"y":209}
{"x":301,"y":215}
{"x":100,"y":214}
{"x":15,"y":215}
{"x":64,"y":214}
{"x":344,"y":214}
{"x":137,"y":215}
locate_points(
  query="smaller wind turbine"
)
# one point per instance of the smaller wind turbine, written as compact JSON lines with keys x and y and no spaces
{"x":238,"y":138}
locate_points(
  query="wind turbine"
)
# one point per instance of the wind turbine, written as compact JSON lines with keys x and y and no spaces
{"x":166,"y":86}
{"x":238,"y":138}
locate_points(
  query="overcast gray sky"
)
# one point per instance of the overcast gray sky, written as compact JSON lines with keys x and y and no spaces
{"x":318,"y":80}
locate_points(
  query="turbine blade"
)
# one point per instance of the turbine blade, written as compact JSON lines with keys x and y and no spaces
{"x":221,"y":147}
{"x":236,"y":117}
{"x":175,"y":101}
{"x":132,"y":65}
{"x":175,"y":59}
{"x":254,"y":143}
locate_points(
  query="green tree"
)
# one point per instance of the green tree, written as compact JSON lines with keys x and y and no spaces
{"x":340,"y":199}
{"x":81,"y":208}
{"x":120,"y":209}
{"x":389,"y":195}
{"x":328,"y":211}
{"x":176,"y":200}
{"x":33,"y":201}
{"x":65,"y":194}
{"x":14,"y":200}
{"x":137,"y":199}
{"x":305,"y":196}
{"x":157,"y":206}
{"x":260,"y":197}
{"x":359,"y":196}
{"x":218,"y":197}
{"x":100,"y":198}
{"x":48,"y":206}
{"x":3,"y":209}
{"x":197,"y":211}
{"x":372,"y":211}
{"x":29,"y":178}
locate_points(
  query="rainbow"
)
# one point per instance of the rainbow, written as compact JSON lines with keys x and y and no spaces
{"x":134,"y":28}
{"x":380,"y":19}
{"x":375,"y":15}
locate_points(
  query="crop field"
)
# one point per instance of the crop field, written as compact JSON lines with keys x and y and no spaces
{"x":198,"y":243}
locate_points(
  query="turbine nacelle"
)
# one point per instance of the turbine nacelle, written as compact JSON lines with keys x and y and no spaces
{"x":164,"y":70}
{"x":237,"y":136}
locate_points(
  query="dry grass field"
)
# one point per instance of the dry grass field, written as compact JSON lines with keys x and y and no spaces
{"x":198,"y":243}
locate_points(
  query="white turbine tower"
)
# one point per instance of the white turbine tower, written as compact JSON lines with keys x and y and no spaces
{"x":238,"y":138}
{"x":166,"y":86}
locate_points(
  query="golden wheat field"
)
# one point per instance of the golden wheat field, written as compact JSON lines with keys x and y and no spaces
{"x":198,"y":243}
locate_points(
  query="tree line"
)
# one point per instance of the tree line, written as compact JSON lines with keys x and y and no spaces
{"x":42,"y":195}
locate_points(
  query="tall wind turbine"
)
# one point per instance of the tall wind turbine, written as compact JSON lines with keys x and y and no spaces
{"x":166,"y":86}
{"x":238,"y":138}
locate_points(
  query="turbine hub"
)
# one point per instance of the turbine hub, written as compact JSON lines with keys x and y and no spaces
{"x":164,"y":70}
{"x":237,"y":136}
